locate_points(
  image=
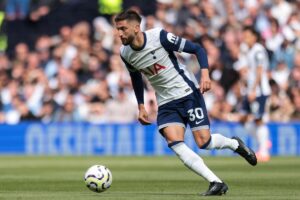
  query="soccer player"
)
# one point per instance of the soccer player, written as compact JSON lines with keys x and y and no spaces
{"x":179,"y":97}
{"x":258,"y":90}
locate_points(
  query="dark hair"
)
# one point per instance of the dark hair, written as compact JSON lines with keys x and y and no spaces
{"x":274,"y":21}
{"x":128,"y":15}
{"x":253,"y":31}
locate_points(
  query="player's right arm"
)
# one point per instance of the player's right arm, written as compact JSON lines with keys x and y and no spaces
{"x":143,"y":115}
{"x":138,"y":88}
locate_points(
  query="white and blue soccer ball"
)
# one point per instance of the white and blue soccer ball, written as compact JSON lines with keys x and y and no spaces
{"x":98,"y":178}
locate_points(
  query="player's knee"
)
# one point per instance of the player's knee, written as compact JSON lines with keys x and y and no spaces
{"x":204,"y":143}
{"x":202,"y":138}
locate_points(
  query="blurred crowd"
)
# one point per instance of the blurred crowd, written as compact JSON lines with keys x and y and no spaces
{"x":77,"y":75}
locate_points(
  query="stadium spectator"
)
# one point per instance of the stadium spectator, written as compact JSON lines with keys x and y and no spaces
{"x":275,"y":39}
{"x":296,"y":114}
{"x":21,"y":53}
{"x":281,"y":10}
{"x":82,"y":58}
{"x":121,"y":109}
{"x":279,"y":106}
{"x":281,"y":74}
{"x":68,"y":111}
{"x":17,"y":9}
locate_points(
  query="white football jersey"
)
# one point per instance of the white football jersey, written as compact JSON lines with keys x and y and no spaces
{"x":257,"y":56}
{"x":156,"y":60}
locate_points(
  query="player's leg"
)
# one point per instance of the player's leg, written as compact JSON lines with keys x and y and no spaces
{"x":205,"y":140}
{"x":262,"y":134}
{"x":171,"y":124}
{"x":261,"y":131}
{"x":218,"y":141}
{"x":174,"y":135}
{"x":199,"y":123}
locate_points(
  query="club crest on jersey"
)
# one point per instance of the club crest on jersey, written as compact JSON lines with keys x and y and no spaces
{"x":172,"y":38}
{"x":153,"y":70}
{"x":153,"y":54}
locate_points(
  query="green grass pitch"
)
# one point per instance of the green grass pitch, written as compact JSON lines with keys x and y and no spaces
{"x":138,"y":178}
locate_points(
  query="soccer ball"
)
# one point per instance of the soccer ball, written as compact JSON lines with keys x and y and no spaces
{"x":98,"y":178}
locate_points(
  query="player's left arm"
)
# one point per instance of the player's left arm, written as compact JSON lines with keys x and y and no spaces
{"x":172,"y":42}
{"x":199,"y":51}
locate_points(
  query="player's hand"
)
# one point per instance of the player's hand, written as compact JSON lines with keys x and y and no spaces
{"x":205,"y":83}
{"x":143,"y":115}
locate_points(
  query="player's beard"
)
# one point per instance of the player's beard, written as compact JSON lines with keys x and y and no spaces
{"x":128,"y":40}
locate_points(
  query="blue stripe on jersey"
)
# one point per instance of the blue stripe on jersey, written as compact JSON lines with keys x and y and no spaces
{"x":138,"y":86}
{"x":180,"y":71}
{"x":137,"y":82}
{"x":170,"y":47}
{"x":129,"y":66}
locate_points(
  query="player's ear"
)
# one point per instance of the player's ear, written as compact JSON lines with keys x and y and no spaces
{"x":136,"y":27}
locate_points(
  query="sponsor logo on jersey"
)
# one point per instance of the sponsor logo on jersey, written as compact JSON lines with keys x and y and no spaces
{"x":153,"y":70}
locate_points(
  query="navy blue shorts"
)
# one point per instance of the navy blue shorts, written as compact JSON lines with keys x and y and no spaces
{"x":257,"y":108}
{"x":189,"y":110}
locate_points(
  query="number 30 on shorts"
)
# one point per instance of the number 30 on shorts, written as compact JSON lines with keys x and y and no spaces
{"x":196,"y":113}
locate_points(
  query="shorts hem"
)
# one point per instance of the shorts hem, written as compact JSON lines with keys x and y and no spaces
{"x":200,"y":128}
{"x":171,"y":123}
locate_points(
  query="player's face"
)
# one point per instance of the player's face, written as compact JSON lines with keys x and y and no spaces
{"x":248,"y":37}
{"x":126,"y":31}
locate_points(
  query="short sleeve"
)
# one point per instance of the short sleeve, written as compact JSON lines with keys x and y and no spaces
{"x":171,"y":42}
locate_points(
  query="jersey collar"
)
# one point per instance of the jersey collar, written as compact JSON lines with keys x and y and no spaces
{"x":142,"y":47}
